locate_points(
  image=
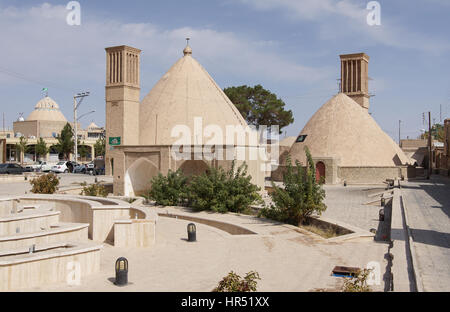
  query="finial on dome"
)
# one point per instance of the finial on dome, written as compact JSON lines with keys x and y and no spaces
{"x":187,"y":50}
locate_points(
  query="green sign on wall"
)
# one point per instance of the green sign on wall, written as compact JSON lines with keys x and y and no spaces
{"x":114,"y":141}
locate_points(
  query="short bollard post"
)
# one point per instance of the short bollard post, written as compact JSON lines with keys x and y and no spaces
{"x":192,"y":232}
{"x":381,"y":215}
{"x":121,"y":272}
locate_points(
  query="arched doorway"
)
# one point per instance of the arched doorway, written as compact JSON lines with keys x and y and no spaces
{"x":320,"y":171}
{"x":193,"y":167}
{"x":138,"y":176}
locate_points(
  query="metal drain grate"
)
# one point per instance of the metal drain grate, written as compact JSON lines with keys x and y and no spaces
{"x":342,"y":271}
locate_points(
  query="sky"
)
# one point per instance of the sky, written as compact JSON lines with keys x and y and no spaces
{"x":290,"y":47}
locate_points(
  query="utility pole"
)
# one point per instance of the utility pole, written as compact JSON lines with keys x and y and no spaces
{"x":399,"y":127}
{"x":76,"y":104}
{"x":430,"y":163}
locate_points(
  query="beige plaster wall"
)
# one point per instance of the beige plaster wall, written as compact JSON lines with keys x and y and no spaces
{"x":71,"y":234}
{"x":134,"y":233}
{"x":28,"y":224}
{"x":25,"y":275}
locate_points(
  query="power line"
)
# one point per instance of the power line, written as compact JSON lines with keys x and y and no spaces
{"x":32,"y":80}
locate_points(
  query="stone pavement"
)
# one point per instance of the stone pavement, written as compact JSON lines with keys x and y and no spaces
{"x":349,"y":205}
{"x":427,"y":205}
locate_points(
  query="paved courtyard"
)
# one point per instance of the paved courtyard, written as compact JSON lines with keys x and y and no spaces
{"x":68,"y":181}
{"x":355,"y":205}
{"x":428,"y":209}
{"x":285,"y":259}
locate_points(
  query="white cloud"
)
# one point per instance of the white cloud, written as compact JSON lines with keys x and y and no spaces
{"x":41,"y":44}
{"x":338,"y":19}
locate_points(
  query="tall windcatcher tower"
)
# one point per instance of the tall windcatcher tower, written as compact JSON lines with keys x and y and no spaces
{"x":122,"y":99}
{"x":355,"y":77}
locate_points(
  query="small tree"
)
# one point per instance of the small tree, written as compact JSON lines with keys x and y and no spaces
{"x":301,"y":196}
{"x":22,"y":147}
{"x":65,"y":141}
{"x":234,"y":283}
{"x":41,"y":148}
{"x":100,"y":147}
{"x":82,"y":150}
{"x":168,"y":190}
{"x":45,"y":184}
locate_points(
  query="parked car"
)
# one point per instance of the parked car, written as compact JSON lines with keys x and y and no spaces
{"x":46,"y":167}
{"x":11,"y":169}
{"x":28,"y":168}
{"x":89,"y":167}
{"x":34,"y":167}
{"x":61,"y":167}
{"x":79,"y":168}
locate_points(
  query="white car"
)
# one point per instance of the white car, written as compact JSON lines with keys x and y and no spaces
{"x":61,"y":167}
{"x":46,"y":167}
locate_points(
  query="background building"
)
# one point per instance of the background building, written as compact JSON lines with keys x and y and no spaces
{"x":45,"y":121}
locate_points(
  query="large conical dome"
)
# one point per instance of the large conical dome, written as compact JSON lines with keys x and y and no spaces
{"x":343,"y":129}
{"x":186,"y":91}
{"x":48,"y":110}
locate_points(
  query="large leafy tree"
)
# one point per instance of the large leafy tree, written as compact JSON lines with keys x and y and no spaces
{"x":65,"y":143}
{"x":259,"y":106}
{"x":41,"y":148}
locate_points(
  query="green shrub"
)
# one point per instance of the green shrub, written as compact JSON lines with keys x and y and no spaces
{"x":301,"y":197}
{"x":234,"y":283}
{"x":222,"y":191}
{"x":45,"y":184}
{"x":168,"y":190}
{"x":208,"y":191}
{"x":94,"y":190}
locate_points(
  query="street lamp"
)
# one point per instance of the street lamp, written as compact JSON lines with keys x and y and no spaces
{"x":76,"y":104}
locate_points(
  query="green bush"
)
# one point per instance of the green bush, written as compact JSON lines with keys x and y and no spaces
{"x":234,"y":283}
{"x":94,"y":190}
{"x":222,"y":191}
{"x":301,"y":196}
{"x":168,"y":190}
{"x":45,"y":184}
{"x":216,"y":190}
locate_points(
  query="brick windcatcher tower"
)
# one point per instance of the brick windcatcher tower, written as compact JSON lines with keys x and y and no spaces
{"x":122,"y":94}
{"x":355,"y":77}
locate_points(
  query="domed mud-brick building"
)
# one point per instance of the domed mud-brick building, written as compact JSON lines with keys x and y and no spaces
{"x":346,"y":143}
{"x":143,"y":138}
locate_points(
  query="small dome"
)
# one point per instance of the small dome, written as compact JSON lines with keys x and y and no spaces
{"x":47,"y":109}
{"x":93,"y":126}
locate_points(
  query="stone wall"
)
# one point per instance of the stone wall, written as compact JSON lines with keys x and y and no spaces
{"x":368,"y":175}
